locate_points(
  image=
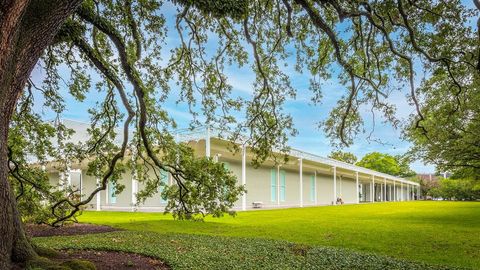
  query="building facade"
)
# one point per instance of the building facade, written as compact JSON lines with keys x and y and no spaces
{"x":305,"y":180}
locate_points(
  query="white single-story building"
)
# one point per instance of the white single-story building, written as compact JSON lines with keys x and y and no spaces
{"x":305,"y":180}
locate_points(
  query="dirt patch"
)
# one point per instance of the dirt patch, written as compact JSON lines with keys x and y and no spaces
{"x":103,"y":260}
{"x":106,"y":260}
{"x":299,"y":249}
{"x":35,"y":230}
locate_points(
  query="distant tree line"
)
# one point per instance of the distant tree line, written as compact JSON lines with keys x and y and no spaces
{"x":397,"y":165}
{"x":458,"y":189}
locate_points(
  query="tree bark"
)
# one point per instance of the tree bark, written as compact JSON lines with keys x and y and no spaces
{"x":27,"y":29}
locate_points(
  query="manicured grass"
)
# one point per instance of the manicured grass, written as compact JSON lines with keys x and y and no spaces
{"x":189,"y":251}
{"x":446,"y":233}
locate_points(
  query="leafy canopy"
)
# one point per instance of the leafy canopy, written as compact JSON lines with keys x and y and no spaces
{"x":466,"y":189}
{"x":118,"y":52}
{"x":343,"y":156}
{"x":394,"y":165}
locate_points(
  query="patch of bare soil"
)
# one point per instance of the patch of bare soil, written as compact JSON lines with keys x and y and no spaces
{"x":109,"y":260}
{"x":35,"y":230}
{"x":103,"y":260}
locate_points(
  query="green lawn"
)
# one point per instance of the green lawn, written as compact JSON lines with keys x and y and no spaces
{"x":446,"y":233}
{"x":207,"y":252}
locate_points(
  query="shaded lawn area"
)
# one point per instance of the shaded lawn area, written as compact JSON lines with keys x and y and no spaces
{"x":446,"y":233}
{"x":189,"y":251}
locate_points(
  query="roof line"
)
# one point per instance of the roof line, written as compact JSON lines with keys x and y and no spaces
{"x":320,"y":159}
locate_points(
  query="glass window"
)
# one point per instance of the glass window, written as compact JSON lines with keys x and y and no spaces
{"x":111,"y":192}
{"x":282,"y":185}
{"x":273,"y":185}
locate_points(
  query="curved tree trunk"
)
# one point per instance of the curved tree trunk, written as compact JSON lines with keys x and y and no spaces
{"x":27,"y":28}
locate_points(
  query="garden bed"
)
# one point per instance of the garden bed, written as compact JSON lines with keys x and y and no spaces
{"x":106,"y":260}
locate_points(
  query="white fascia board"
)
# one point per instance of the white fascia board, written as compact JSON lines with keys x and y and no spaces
{"x":347,"y":166}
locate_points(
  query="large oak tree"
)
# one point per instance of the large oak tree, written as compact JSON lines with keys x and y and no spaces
{"x":374,"y":47}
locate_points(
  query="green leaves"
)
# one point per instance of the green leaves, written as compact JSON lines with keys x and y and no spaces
{"x":123,"y":50}
{"x":393,"y":165}
{"x":343,"y":156}
{"x":200,"y":186}
{"x":236,"y":9}
{"x":467,"y":189}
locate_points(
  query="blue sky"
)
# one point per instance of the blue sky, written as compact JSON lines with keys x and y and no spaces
{"x":306,"y":115}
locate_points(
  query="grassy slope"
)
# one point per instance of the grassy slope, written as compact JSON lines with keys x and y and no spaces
{"x":434,"y":232}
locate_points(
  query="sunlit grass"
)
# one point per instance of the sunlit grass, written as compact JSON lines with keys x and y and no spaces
{"x":434,"y":232}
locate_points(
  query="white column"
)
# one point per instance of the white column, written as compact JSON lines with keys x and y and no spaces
{"x":372,"y":185}
{"x":340,"y":193}
{"x":98,"y":195}
{"x":334,"y":185}
{"x":356,"y":182}
{"x":278,"y":185}
{"x":244,"y":176}
{"x":300,"y":161}
{"x":315,"y":187}
{"x":401,"y":191}
{"x":385,"y":189}
{"x":106,"y":192}
{"x":134,"y":179}
{"x":394,"y":192}
{"x":207,"y":142}
{"x":373,"y":188}
{"x":134,"y":192}
{"x":381,"y":191}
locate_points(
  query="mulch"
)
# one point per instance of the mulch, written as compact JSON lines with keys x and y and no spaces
{"x":36,"y":230}
{"x":109,"y":260}
{"x":103,"y":260}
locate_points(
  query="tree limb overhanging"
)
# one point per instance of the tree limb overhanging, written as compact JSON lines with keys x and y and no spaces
{"x":377,"y":46}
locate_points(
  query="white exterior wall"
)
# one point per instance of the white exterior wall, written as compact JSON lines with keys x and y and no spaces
{"x":258,"y":187}
{"x":348,"y":190}
{"x":306,"y":188}
{"x":258,"y":184}
{"x":325,"y":189}
{"x":236,"y":168}
{"x":292,"y":188}
{"x":89,"y":183}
